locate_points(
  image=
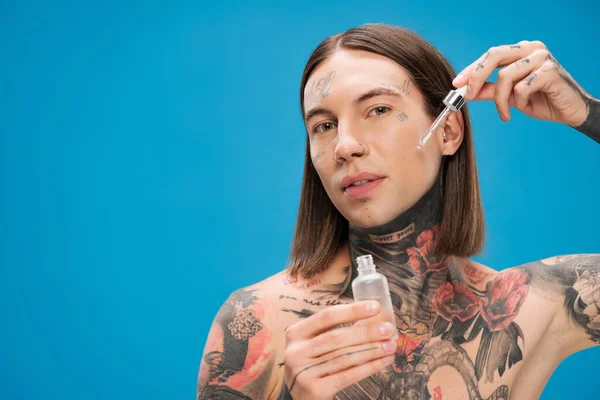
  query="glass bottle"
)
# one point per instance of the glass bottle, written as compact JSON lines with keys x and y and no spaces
{"x":371,"y":285}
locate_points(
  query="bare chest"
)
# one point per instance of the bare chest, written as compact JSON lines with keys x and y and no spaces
{"x":453,"y":360}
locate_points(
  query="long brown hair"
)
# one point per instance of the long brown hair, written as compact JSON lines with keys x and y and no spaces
{"x":320,"y":228}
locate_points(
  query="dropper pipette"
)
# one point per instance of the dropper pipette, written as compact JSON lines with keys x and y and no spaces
{"x":453,"y":102}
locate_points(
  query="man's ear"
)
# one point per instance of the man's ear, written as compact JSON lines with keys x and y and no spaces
{"x":454,"y":130}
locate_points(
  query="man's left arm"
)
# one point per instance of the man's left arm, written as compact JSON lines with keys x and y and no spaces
{"x":575,"y":279}
{"x":531,"y":80}
{"x":591,"y":126}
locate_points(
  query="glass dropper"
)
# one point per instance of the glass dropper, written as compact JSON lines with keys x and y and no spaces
{"x":453,"y":102}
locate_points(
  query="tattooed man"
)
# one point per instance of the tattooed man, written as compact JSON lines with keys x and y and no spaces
{"x":463,"y":330}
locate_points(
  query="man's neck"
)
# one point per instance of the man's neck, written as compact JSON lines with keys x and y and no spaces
{"x":403,"y":252}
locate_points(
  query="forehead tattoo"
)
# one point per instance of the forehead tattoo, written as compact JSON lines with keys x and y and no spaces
{"x":319,"y":90}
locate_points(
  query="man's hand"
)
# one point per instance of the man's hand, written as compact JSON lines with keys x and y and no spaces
{"x":321,"y":361}
{"x":532,"y":81}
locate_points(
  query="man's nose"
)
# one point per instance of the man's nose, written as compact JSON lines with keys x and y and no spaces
{"x":347,"y":147}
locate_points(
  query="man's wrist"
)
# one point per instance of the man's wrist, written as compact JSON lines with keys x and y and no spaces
{"x":591,"y":126}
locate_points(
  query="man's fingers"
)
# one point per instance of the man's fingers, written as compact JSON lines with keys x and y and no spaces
{"x":476,"y":74}
{"x":345,"y":378}
{"x":513,"y":73}
{"x":521,"y":92}
{"x":348,"y":357}
{"x":347,"y":337}
{"x":488,"y":92}
{"x":330,"y":317}
{"x":534,"y":82}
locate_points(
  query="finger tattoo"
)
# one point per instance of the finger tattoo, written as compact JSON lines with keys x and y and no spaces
{"x":481,"y":64}
{"x":530,"y":78}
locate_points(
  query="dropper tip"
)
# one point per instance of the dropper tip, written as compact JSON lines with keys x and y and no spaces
{"x":462,"y":91}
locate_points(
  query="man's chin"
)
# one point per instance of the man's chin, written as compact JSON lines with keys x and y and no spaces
{"x":368,"y":219}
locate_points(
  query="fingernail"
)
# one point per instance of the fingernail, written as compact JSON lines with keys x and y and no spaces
{"x":458,"y":78}
{"x":372,"y":307}
{"x":386,"y":329}
{"x":389,"y":346}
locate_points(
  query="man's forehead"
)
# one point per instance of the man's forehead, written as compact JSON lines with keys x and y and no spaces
{"x":328,"y":82}
{"x":355,"y":64}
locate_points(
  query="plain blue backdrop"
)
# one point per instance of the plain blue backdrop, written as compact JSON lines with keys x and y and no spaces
{"x":151,"y":159}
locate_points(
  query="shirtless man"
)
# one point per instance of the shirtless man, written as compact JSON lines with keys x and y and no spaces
{"x":464,"y":331}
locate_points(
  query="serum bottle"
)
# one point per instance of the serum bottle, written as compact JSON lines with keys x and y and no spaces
{"x":371,"y":285}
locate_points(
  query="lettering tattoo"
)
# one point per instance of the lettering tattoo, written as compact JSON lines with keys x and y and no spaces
{"x":474,"y":275}
{"x":318,"y":302}
{"x":319,"y":90}
{"x":294,"y":281}
{"x":394,"y":237}
{"x":311,"y":283}
{"x":515,"y":46}
{"x":312,"y":302}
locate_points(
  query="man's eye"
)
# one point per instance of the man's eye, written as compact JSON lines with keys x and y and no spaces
{"x":378,"y":111}
{"x":324,"y":127}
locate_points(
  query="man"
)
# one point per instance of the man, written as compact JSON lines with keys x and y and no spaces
{"x":463,"y":329}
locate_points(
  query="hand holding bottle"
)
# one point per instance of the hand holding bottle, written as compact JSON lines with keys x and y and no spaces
{"x":321,"y":361}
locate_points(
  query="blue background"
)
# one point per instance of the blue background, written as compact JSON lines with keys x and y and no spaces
{"x":151,"y":159}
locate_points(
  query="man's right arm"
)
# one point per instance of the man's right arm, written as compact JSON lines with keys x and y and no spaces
{"x":238,"y":358}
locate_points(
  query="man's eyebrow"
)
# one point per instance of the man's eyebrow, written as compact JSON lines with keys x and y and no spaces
{"x":317,"y":111}
{"x":387,"y":90}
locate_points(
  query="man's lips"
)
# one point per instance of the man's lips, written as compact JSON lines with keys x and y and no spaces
{"x":364,"y":190}
{"x":359,"y":186}
{"x":357,"y":179}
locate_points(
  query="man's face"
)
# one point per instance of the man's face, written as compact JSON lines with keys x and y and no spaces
{"x":357,"y":101}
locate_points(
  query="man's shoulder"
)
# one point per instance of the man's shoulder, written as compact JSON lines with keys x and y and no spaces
{"x":268,"y":299}
{"x":271,"y":289}
{"x":572,"y":284}
{"x":243,"y":345}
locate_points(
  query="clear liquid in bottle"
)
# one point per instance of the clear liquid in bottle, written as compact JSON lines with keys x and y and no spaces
{"x":371,"y":285}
